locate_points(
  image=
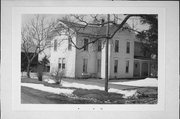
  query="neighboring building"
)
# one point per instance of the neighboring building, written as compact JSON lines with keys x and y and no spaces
{"x":126,"y":59}
{"x":24,"y":62}
{"x":38,"y":58}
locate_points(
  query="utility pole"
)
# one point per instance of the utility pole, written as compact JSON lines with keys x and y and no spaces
{"x":107,"y":55}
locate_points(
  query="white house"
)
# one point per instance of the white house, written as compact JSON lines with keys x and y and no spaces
{"x":125,"y":57}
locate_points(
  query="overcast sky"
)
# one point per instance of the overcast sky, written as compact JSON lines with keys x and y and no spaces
{"x":53,"y":17}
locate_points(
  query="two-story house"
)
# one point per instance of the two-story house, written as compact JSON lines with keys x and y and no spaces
{"x":90,"y":61}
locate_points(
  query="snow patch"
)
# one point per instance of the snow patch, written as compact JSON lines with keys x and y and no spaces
{"x":48,"y":89}
{"x":49,"y":81}
{"x":79,"y":85}
{"x":126,"y":93}
{"x":148,"y":82}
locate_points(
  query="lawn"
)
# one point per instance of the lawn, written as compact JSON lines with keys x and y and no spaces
{"x":33,"y":96}
{"x":84,"y":96}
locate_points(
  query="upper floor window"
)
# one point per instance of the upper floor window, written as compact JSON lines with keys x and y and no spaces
{"x":85,"y":44}
{"x":128,"y":47}
{"x":69,"y":43}
{"x":116,"y":48}
{"x":115,"y":66}
{"x":99,"y":45}
{"x":55,"y":45}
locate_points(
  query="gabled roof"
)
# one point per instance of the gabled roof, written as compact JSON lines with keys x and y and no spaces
{"x":83,"y":29}
{"x":80,"y":28}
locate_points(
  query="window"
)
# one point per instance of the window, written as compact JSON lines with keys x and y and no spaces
{"x":55,"y":45}
{"x":115,"y":66}
{"x":59,"y":63}
{"x":85,"y":44}
{"x":128,"y":47}
{"x":136,"y":65}
{"x":69,"y":43}
{"x":63,"y":63}
{"x":99,"y":65}
{"x":99,"y":45}
{"x":116,"y":48}
{"x":85,"y":61}
{"x":127,"y":66}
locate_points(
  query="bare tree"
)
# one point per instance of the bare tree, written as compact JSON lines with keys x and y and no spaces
{"x":35,"y":38}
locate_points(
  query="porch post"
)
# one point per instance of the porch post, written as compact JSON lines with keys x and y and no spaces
{"x":140,"y":63}
{"x":149,"y":68}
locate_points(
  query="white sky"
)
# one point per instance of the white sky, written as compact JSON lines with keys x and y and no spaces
{"x":53,"y":17}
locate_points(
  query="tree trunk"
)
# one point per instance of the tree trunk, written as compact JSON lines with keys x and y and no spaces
{"x":28,"y":70}
{"x":107,"y":56}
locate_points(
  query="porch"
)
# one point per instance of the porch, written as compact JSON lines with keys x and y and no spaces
{"x":145,"y":68}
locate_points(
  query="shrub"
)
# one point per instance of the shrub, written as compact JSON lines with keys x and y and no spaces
{"x":57,"y":76}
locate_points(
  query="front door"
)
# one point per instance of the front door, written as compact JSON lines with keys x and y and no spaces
{"x":144,"y":69}
{"x":136,"y":69}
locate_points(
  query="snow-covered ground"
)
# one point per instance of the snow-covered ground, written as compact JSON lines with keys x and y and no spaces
{"x":48,"y":89}
{"x":32,"y":75}
{"x":48,"y":80}
{"x":126,"y":93}
{"x":148,"y":82}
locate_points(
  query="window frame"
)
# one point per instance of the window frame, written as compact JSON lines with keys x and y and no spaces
{"x":116,"y":66}
{"x":63,"y":64}
{"x":86,"y":47}
{"x":69,"y":43}
{"x":55,"y":45}
{"x":85,"y":65}
{"x":116,"y":46}
{"x":99,"y":46}
{"x":99,"y":65}
{"x":59,"y":63}
{"x":128,"y":47}
{"x":127,"y":66}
